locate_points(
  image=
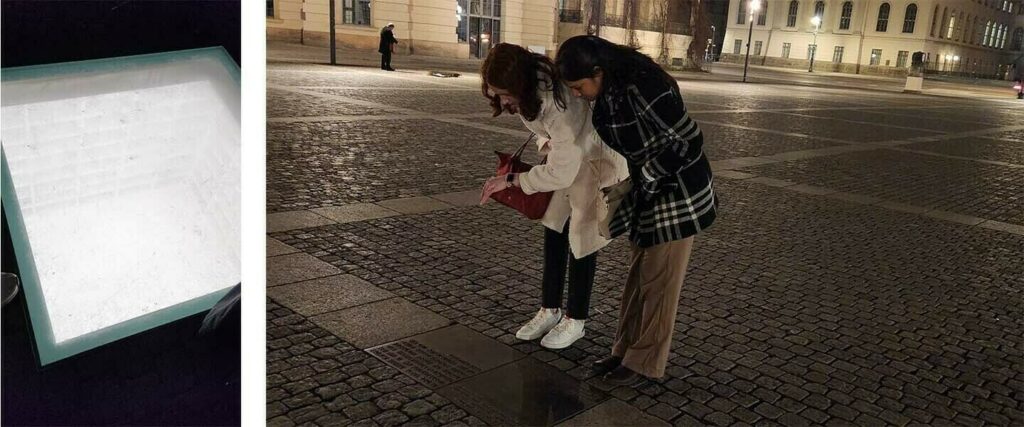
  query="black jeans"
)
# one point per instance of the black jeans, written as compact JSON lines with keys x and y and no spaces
{"x":581,"y":275}
{"x":385,"y":60}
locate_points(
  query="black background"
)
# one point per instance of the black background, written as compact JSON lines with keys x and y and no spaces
{"x":48,"y":31}
{"x":167,"y":375}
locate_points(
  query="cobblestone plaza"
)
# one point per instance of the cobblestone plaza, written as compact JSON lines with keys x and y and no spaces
{"x":865,"y":269}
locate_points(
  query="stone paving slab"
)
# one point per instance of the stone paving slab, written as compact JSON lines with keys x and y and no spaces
{"x":740,"y":162}
{"x":856,"y":198}
{"x":954,"y":217}
{"x":414,"y":205}
{"x":327,"y":294}
{"x":771,"y":182}
{"x":1002,"y":226}
{"x":613,"y":412}
{"x":810,"y":189}
{"x":731,"y":174}
{"x":820,"y":152}
{"x":974,"y":147}
{"x":296,"y":268}
{"x":355,"y":212}
{"x":460,"y":198}
{"x":380,"y":322}
{"x":902,"y":207}
{"x":275,"y":247}
{"x":284,"y":221}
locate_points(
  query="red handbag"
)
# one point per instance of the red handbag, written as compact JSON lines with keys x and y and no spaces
{"x":533,"y":205}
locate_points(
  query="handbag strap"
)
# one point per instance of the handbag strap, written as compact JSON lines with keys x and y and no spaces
{"x":519,"y":152}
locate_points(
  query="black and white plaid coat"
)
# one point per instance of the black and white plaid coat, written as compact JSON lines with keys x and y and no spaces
{"x":673,"y":193}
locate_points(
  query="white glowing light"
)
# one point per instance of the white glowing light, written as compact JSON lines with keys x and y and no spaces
{"x":122,"y":181}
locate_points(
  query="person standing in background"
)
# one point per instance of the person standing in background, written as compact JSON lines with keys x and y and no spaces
{"x":387,"y":46}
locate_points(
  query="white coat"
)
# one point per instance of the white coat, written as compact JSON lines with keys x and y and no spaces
{"x":578,"y":166}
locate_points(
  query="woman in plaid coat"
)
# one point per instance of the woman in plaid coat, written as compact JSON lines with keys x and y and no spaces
{"x":639,"y":112}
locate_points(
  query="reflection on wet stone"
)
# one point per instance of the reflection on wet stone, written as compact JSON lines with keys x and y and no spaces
{"x":526,"y":392}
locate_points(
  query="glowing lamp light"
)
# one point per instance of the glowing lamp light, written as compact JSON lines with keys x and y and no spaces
{"x":816,"y":21}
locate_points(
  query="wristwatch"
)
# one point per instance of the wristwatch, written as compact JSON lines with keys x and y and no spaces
{"x":508,"y":180}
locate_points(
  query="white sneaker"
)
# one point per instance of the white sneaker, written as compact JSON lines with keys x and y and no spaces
{"x":542,"y":322}
{"x":564,"y":334}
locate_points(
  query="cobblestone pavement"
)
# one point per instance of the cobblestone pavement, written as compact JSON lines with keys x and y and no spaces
{"x":865,"y":270}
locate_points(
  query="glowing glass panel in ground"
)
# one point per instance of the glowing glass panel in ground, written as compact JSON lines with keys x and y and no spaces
{"x":122,"y":188}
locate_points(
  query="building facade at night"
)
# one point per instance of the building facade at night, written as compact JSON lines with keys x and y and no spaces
{"x":468,"y":28}
{"x":962,"y":37}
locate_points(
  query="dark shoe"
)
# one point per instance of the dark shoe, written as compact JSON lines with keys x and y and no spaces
{"x":606,"y":365}
{"x":623,"y":376}
{"x":391,"y":69}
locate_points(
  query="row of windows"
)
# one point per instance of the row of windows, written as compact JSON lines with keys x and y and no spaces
{"x":837,"y":53}
{"x":479,"y":20}
{"x":845,"y":16}
{"x":354,"y":12}
{"x":951,"y":27}
{"x":954,"y":26}
{"x":357,"y":12}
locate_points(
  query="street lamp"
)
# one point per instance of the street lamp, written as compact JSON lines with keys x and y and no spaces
{"x":709,"y":56}
{"x":816,"y":20}
{"x":712,"y":43}
{"x":754,"y":6}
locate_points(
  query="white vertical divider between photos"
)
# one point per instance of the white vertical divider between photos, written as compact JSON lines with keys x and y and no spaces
{"x":254,"y":223}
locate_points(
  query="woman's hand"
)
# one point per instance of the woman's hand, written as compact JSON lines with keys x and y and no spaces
{"x":496,"y":184}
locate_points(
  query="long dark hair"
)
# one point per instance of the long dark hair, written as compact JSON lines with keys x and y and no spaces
{"x":512,"y":68}
{"x":581,"y":56}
